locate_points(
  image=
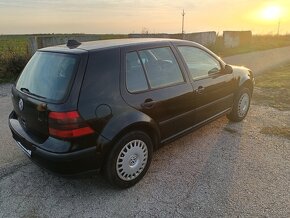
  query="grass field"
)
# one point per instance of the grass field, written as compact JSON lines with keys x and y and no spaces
{"x":13,"y":56}
{"x":273,"y":88}
{"x":18,"y":43}
{"x":259,"y":43}
{"x":14,"y":52}
{"x":15,"y":43}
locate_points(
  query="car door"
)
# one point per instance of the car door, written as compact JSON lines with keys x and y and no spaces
{"x":213,"y":87}
{"x":154,"y":83}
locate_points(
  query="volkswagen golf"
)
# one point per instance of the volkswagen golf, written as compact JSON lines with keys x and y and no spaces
{"x":107,"y":105}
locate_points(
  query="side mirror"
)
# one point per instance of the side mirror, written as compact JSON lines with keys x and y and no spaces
{"x":213,"y":71}
{"x":228,"y":69}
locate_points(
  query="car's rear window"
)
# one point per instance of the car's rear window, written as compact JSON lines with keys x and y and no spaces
{"x":48,"y":75}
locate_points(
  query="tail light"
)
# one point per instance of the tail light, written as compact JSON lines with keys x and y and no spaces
{"x":67,"y":125}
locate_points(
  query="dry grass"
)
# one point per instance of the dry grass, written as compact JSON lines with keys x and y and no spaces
{"x":13,"y":43}
{"x":277,"y":131}
{"x":273,"y":88}
{"x":17,"y":44}
{"x":258,"y":43}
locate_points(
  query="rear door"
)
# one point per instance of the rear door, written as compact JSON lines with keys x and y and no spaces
{"x":212,"y":88}
{"x":154,"y":83}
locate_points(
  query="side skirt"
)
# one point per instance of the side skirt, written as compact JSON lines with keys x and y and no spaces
{"x":196,"y":126}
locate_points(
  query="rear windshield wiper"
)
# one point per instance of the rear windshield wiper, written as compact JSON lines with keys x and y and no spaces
{"x":30,"y":93}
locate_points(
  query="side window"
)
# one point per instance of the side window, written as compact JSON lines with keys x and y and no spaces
{"x":200,"y":63}
{"x":135,"y":77}
{"x":161,"y":67}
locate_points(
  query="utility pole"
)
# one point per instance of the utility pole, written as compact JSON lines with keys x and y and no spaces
{"x":279,"y":23}
{"x":182,"y":31}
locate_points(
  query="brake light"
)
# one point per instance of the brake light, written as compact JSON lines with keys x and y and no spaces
{"x":67,"y":125}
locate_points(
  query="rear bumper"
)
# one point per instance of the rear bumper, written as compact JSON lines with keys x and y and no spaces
{"x":65,"y":163}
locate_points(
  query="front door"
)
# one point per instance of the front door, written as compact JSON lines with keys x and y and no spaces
{"x":212,"y":88}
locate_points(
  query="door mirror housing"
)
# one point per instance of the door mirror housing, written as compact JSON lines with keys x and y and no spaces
{"x":213,"y":71}
{"x":228,"y":69}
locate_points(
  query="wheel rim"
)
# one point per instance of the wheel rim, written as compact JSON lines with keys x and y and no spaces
{"x":132,"y":160}
{"x":244,"y":103}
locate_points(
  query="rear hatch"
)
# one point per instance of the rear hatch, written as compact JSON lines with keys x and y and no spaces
{"x":44,"y":84}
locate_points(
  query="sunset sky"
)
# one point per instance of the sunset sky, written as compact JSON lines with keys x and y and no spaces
{"x":133,"y":16}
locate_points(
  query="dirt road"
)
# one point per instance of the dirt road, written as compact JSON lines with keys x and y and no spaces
{"x":261,"y":60}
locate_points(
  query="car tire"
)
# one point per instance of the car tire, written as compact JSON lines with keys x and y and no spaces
{"x":129,"y":159}
{"x":241,"y":105}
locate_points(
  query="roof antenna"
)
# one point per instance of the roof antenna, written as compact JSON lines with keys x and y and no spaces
{"x":72,"y":43}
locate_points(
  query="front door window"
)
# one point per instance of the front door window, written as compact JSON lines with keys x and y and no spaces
{"x":200,"y":63}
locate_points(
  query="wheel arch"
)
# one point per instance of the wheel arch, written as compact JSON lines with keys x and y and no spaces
{"x":142,"y":126}
{"x":247,"y":84}
{"x":135,"y":121}
{"x":247,"y":80}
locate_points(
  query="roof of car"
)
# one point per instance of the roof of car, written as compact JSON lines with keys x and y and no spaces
{"x":102,"y":44}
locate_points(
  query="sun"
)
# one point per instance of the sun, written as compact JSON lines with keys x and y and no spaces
{"x":272,"y":12}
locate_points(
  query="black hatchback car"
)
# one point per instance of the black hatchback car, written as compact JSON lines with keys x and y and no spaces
{"x":106,"y":105}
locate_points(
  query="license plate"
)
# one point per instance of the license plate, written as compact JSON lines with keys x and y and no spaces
{"x":26,"y":151}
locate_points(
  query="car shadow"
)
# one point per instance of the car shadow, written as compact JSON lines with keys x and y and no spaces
{"x":187,"y":176}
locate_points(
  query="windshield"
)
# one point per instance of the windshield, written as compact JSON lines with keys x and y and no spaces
{"x":48,"y":75}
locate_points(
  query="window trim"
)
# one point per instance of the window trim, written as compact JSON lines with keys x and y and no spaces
{"x":125,"y":62}
{"x":187,"y":69}
{"x":145,"y":72}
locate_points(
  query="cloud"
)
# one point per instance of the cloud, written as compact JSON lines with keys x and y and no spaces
{"x":86,"y":5}
{"x":121,"y":16}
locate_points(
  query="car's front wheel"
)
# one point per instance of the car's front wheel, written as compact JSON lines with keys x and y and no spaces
{"x":129,"y":159}
{"x":241,"y":105}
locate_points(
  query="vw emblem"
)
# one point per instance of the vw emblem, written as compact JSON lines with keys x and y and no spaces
{"x":20,"y":104}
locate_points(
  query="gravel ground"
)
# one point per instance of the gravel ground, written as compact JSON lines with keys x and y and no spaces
{"x":5,"y":89}
{"x":223,"y":169}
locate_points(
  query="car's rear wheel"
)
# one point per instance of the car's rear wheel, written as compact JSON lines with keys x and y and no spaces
{"x":129,"y":159}
{"x":241,"y":105}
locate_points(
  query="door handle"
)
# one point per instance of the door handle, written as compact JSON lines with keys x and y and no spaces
{"x":148,"y":104}
{"x":199,"y":90}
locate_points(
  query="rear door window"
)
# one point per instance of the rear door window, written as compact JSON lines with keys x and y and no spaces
{"x":161,"y":67}
{"x":48,"y":75}
{"x":135,"y":76}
